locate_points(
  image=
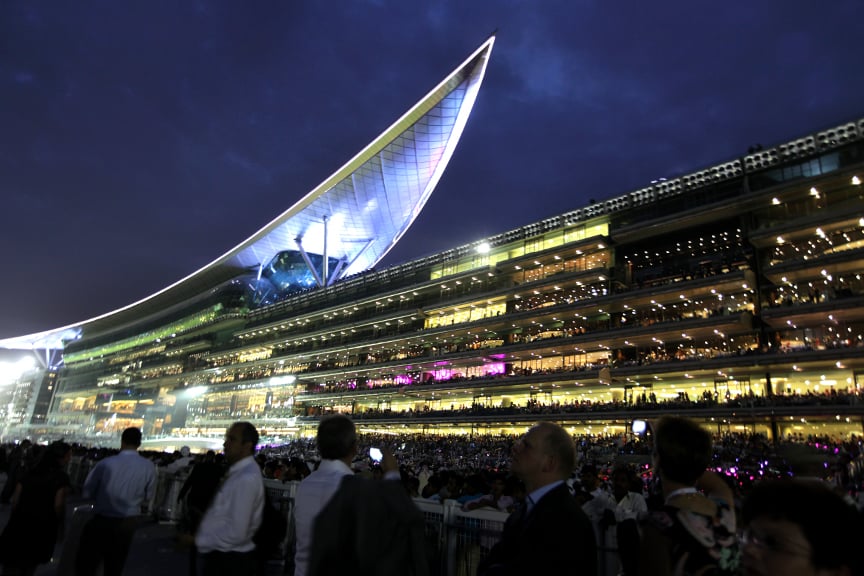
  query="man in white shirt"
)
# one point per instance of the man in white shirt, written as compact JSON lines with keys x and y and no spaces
{"x":495,"y":499}
{"x":630,"y":510}
{"x":337,"y":445}
{"x":224,"y":537}
{"x":181,"y":463}
{"x":597,"y":503}
{"x":600,"y":506}
{"x":122,"y":487}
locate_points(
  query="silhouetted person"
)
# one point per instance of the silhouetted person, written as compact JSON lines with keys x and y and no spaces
{"x":122,"y":487}
{"x":199,"y":489}
{"x":337,"y":445}
{"x":38,"y":513}
{"x":346,"y":523}
{"x":17,"y":464}
{"x":549,"y":534}
{"x":800,"y":527}
{"x":693,"y":532}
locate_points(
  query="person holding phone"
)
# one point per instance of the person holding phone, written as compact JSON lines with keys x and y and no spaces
{"x":367,"y":525}
{"x":337,"y":446}
{"x":376,"y":454}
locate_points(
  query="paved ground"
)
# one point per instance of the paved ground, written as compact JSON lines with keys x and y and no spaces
{"x":153,"y":549}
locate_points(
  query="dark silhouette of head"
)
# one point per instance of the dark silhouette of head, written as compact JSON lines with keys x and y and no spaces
{"x":337,"y":437}
{"x":682,"y":449}
{"x":131,"y":438}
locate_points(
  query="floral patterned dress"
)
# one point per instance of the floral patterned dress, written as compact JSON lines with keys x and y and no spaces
{"x":702,"y":533}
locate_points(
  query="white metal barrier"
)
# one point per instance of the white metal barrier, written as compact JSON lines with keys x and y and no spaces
{"x":167,"y":506}
{"x":281,"y":496}
{"x":459,"y":539}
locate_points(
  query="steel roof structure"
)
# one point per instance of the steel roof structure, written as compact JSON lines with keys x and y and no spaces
{"x":354,"y":217}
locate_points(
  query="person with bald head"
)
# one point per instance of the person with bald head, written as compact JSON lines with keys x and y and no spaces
{"x":225,"y":538}
{"x":549,"y":534}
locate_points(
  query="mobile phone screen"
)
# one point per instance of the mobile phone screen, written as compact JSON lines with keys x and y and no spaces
{"x":375,"y":454}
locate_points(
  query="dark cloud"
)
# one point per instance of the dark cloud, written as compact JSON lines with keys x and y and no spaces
{"x":140,"y":141}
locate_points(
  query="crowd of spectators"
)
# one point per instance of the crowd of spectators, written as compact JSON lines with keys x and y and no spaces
{"x":473,"y":471}
{"x":459,"y":467}
{"x":466,"y":467}
{"x":636,"y":403}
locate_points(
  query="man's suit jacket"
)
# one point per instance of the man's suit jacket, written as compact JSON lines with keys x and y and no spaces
{"x":369,"y":527}
{"x":556,"y":537}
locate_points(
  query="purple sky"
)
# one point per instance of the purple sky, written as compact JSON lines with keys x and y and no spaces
{"x":141,"y":140}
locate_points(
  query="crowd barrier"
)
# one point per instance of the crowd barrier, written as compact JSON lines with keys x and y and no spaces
{"x":458,"y":539}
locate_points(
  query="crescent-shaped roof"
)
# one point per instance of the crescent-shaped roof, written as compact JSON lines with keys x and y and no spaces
{"x":356,"y":215}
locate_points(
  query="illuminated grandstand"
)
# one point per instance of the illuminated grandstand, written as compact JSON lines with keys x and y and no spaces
{"x":733,"y":294}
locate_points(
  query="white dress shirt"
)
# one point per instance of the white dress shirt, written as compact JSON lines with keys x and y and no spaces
{"x":121,"y":484}
{"x":235,"y":514}
{"x":313,"y":494}
{"x":631,"y":507}
{"x":596,"y":507}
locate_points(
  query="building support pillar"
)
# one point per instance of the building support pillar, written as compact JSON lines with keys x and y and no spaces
{"x":315,"y":274}
{"x":324,"y":263}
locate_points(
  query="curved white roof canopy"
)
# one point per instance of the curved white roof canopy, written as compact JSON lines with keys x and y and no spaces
{"x":367,"y":205}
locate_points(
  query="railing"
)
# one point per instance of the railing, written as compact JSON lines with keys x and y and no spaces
{"x":456,"y":540}
{"x":459,"y":540}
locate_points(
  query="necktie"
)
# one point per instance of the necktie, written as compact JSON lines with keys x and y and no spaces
{"x":518,"y":518}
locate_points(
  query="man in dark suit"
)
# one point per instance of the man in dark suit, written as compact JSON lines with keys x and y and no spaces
{"x":550,"y":534}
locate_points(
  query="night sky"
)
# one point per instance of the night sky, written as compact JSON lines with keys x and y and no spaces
{"x":141,"y":140}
